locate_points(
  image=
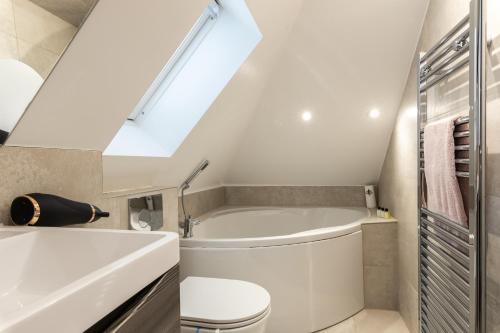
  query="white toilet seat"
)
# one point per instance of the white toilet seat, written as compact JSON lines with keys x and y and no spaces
{"x":226,"y":325}
{"x":221,"y":303}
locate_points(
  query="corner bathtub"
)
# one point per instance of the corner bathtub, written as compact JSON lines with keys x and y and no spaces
{"x":309,"y":260}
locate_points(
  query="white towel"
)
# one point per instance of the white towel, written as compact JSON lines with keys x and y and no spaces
{"x":443,"y":192}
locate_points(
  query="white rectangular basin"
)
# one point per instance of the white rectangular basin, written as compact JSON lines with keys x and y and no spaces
{"x":67,"y":279}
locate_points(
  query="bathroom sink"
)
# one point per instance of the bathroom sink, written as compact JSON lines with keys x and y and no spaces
{"x":67,"y":279}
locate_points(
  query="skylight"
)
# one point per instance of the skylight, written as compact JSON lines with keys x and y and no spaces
{"x":217,"y":45}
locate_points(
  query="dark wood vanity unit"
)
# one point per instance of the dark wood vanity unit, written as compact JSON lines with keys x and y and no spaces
{"x":156,"y":308}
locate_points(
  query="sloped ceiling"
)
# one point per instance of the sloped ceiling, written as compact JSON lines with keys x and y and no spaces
{"x":341,"y":60}
{"x":337,"y":59}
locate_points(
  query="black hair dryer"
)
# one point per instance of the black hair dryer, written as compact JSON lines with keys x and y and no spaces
{"x":38,"y":209}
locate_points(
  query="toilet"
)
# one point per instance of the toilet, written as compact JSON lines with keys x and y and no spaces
{"x":210,"y":305}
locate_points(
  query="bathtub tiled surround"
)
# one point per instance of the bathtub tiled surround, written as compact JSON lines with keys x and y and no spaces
{"x":74,"y":174}
{"x":329,"y":196}
{"x":380,"y":265}
{"x":199,"y":203}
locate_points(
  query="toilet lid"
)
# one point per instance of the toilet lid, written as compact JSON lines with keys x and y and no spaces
{"x":221,"y":301}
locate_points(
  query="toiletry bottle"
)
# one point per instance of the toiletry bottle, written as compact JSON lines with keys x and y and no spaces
{"x":386,"y":213}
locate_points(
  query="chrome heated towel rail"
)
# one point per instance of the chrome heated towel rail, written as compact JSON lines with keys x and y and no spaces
{"x":451,"y":257}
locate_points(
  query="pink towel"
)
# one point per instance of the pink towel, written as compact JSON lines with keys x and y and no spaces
{"x":443,"y":192}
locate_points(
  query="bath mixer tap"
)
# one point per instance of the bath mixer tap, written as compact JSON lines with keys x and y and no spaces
{"x":188,"y":225}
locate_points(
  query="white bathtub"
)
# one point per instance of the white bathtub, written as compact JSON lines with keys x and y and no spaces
{"x":309,"y":259}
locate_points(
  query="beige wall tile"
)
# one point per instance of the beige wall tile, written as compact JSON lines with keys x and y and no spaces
{"x":68,"y":173}
{"x":408,"y":300}
{"x":40,"y":59}
{"x":199,"y":203}
{"x":39,"y":27}
{"x":380,"y":244}
{"x":352,"y":196}
{"x":380,"y":265}
{"x":8,"y":46}
{"x":7,"y":17}
{"x":381,"y":287}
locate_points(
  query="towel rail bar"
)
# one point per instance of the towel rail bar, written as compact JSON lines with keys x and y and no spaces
{"x":432,"y":320}
{"x":461,"y":134}
{"x":459,"y":121}
{"x":444,"y":75}
{"x":444,"y":274}
{"x":445,"y":318}
{"x":444,"y":248}
{"x":445,"y":232}
{"x":449,"y":223}
{"x":441,"y":259}
{"x":462,"y":147}
{"x":445,"y":285}
{"x":445,"y":38}
{"x":451,"y":314}
{"x":461,"y":310}
{"x":447,"y":61}
{"x":450,"y":311}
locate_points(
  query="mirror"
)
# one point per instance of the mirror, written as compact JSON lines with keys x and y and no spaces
{"x":33,"y":36}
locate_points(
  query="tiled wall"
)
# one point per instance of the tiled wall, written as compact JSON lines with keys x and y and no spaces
{"x":201,"y":202}
{"x":493,"y":171}
{"x":338,"y":196}
{"x":74,"y":174}
{"x":398,"y":180}
{"x":32,"y":35}
{"x":380,"y":265}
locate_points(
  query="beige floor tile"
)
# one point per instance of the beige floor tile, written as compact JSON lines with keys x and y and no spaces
{"x":347,"y":326}
{"x":371,"y":321}
{"x":380,"y":321}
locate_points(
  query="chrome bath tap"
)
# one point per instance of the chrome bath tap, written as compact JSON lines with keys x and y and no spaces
{"x":189,"y":222}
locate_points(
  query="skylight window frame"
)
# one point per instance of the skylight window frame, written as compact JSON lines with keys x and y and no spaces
{"x":177,"y":62}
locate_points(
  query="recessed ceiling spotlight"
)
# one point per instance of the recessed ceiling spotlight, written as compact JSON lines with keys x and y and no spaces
{"x":374,"y":113}
{"x":306,"y":115}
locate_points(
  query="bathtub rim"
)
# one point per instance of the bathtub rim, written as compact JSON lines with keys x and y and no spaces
{"x":308,"y":236}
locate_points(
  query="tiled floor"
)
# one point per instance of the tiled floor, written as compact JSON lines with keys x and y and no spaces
{"x":371,"y":321}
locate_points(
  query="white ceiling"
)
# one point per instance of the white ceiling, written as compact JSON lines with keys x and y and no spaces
{"x":338,"y":59}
